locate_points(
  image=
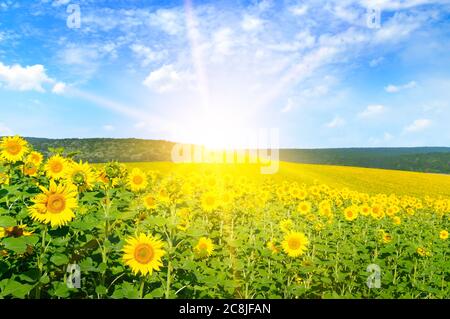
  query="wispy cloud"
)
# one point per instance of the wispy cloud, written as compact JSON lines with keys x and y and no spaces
{"x":336,"y":122}
{"x":372,"y":111}
{"x":397,"y":88}
{"x":418,"y":125}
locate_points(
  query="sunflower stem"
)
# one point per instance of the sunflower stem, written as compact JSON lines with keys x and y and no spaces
{"x":40,"y":257}
{"x":141,"y":290}
{"x":168,"y":283}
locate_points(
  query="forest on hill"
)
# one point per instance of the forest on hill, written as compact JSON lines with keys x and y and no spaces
{"x":98,"y":150}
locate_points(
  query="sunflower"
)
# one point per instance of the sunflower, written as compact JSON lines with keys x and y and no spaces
{"x":351,"y":213}
{"x":30,"y":169}
{"x":56,"y":167}
{"x":210,"y":201}
{"x":204,"y":247}
{"x":143,"y":254}
{"x":377,"y":211}
{"x":13,"y":149}
{"x":365,"y":210}
{"x":2,"y":232}
{"x":443,"y":234}
{"x":137,"y":180}
{"x":35,"y":157}
{"x":55,"y":205}
{"x":150,"y":202}
{"x":295,"y":244}
{"x":396,"y":220}
{"x":421,"y":251}
{"x":80,"y":174}
{"x":4,"y":179}
{"x":304,"y":208}
{"x":17,"y":231}
{"x":386,"y":238}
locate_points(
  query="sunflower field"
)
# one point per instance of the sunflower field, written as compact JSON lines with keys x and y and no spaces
{"x":138,"y":233}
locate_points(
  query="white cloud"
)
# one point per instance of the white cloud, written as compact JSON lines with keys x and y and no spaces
{"x":299,"y":10}
{"x":336,"y":122}
{"x":372,"y":111}
{"x":400,"y":26}
{"x":5,"y":130}
{"x":392,"y":5}
{"x":57,"y":3}
{"x":29,"y":78}
{"x":146,"y":54}
{"x":165,"y":79}
{"x":223,"y":41}
{"x":418,"y":125}
{"x":108,"y":127}
{"x":289,"y":105}
{"x":170,"y":21}
{"x":251,"y":23}
{"x":59,"y":88}
{"x":397,"y":88}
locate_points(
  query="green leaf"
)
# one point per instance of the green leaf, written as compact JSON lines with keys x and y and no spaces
{"x":7,"y":221}
{"x":101,"y":290}
{"x":59,"y":259}
{"x":17,"y":245}
{"x":16,"y":289}
{"x":61,"y":290}
{"x":3,"y":193}
{"x":157,"y":293}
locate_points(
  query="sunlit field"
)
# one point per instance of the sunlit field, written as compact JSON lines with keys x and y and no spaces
{"x":161,"y":230}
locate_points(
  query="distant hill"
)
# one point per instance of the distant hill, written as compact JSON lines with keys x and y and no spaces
{"x":95,"y":150}
{"x":421,"y":159}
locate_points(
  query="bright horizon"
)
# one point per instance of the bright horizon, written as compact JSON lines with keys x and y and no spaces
{"x":201,"y":72}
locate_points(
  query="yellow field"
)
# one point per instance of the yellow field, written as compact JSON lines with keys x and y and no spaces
{"x":366,"y":180}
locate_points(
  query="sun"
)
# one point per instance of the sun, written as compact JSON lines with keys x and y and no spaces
{"x":143,"y":254}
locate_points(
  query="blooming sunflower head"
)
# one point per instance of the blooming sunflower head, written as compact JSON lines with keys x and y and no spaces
{"x":80,"y":174}
{"x":150,"y":202}
{"x":35,"y":157}
{"x":143,"y":254}
{"x":209,"y":201}
{"x":55,"y":205}
{"x":295,"y":244}
{"x":56,"y":167}
{"x":4,"y":178}
{"x":30,"y":169}
{"x":13,"y":148}
{"x":204,"y":247}
{"x":351,"y":213}
{"x":396,"y":220}
{"x":137,"y":180}
{"x":304,"y":208}
{"x":443,"y":234}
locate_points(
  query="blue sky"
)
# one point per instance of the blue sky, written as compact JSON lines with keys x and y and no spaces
{"x":196,"y":71}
